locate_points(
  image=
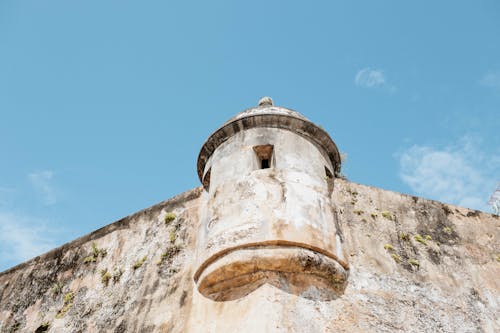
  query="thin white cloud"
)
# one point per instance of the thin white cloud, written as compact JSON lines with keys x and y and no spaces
{"x":21,"y":238}
{"x":491,"y":80}
{"x":370,"y":78}
{"x":42,"y":183}
{"x":22,"y":235}
{"x":460,"y":174}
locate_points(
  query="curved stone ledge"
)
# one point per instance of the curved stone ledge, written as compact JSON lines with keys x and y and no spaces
{"x":294,"y":269}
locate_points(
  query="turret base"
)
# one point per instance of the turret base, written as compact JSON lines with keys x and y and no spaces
{"x":294,"y":269}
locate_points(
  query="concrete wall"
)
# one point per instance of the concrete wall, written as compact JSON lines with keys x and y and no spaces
{"x":415,"y":266}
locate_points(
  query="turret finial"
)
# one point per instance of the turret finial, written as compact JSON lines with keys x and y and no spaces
{"x":266,"y":101}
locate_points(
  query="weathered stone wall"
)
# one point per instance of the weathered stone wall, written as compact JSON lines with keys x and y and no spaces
{"x":415,"y":266}
{"x":134,"y":275}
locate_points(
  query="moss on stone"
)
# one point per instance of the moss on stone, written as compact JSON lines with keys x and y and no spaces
{"x":389,"y":247}
{"x":169,"y":253}
{"x":68,"y":297}
{"x":169,"y":217}
{"x":448,"y":230}
{"x":56,"y":289}
{"x":95,"y":254}
{"x":404,"y":236}
{"x":139,"y":263}
{"x":414,"y":262}
{"x":105,"y":277}
{"x":420,"y":239}
{"x":68,"y":303}
{"x":172,"y":236}
{"x":89,"y":259}
{"x":387,"y":215}
{"x":396,"y":257}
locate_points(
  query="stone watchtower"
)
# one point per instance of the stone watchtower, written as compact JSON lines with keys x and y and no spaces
{"x":266,"y":214}
{"x":262,"y":247}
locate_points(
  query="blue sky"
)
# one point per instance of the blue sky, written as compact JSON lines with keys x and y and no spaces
{"x":104,"y":105}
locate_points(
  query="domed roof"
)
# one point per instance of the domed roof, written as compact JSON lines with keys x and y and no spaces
{"x":269,"y":110}
{"x":268,"y":115}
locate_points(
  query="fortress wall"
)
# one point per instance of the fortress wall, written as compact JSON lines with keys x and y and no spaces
{"x":67,"y":288}
{"x":448,"y":284}
{"x":415,"y":265}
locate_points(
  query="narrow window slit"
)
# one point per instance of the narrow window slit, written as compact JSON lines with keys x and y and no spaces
{"x":264,"y":155}
{"x":264,"y":164}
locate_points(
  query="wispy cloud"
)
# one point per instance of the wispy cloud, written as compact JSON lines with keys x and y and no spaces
{"x":42,"y":183}
{"x":460,"y":174}
{"x":25,"y":235}
{"x":491,"y":80}
{"x":370,"y":78}
{"x":22,"y":238}
{"x":373,"y":78}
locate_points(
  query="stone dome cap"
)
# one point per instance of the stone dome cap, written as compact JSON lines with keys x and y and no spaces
{"x":267,"y":110}
{"x":268,"y":115}
{"x":265,"y":101}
